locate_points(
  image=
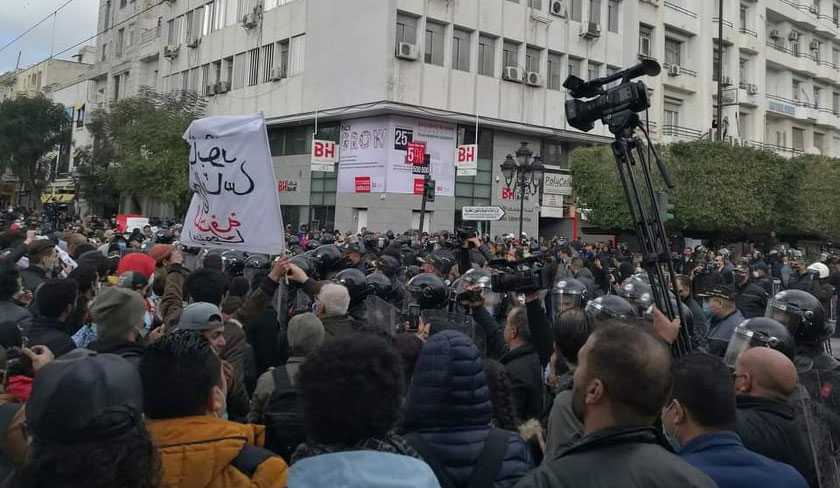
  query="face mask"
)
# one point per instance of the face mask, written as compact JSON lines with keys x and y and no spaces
{"x":706,"y":310}
{"x":672,"y":439}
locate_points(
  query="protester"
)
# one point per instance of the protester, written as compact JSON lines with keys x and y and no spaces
{"x":12,"y":314}
{"x":42,"y":258}
{"x":118,"y":314}
{"x":352,"y":392}
{"x":523,"y":365}
{"x":184,"y":395}
{"x":700,"y":419}
{"x":54,"y":303}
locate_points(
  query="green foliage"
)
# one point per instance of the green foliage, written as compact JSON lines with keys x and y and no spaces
{"x":140,"y":147}
{"x":30,"y":128}
{"x":720,"y":189}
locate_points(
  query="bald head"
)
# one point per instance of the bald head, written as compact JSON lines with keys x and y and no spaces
{"x":765,"y":372}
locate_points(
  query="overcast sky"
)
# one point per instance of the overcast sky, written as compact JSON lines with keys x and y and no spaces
{"x":74,"y":23}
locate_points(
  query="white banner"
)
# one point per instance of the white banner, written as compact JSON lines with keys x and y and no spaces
{"x":235,"y":203}
{"x":324,"y":155}
{"x":466,"y":160}
{"x":373,"y":155}
{"x":557,"y":184}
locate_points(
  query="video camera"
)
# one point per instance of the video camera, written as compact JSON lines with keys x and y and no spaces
{"x":603,"y":104}
{"x":530,"y":274}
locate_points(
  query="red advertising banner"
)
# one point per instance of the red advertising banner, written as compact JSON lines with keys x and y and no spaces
{"x":415,"y":153}
{"x":363,"y":184}
{"x":418,"y":186}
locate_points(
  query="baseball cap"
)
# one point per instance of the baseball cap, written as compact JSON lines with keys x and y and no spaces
{"x":199,"y":315}
{"x":136,"y":261}
{"x":85,"y":396}
{"x":725,"y":292}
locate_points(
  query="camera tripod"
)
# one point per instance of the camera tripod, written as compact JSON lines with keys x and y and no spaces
{"x":632,"y":156}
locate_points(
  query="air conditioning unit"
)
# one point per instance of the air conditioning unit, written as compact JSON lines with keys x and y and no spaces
{"x":727,"y":81}
{"x":407,"y":50}
{"x":534,"y":79}
{"x":793,"y":36}
{"x":210,"y":89}
{"x":277,"y":74}
{"x":512,"y":73}
{"x":171,"y":51}
{"x":223,"y":87}
{"x":674,"y":70}
{"x":752,"y":89}
{"x":557,"y":8}
{"x":815,"y":44}
{"x":775,"y":34}
{"x":590,"y":30}
{"x":193,"y":42}
{"x":249,"y":20}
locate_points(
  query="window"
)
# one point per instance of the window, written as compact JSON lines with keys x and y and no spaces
{"x":460,"y":50}
{"x":576,"y":9}
{"x":795,"y":88}
{"x":297,"y":51}
{"x":123,"y":3}
{"x":195,"y":79}
{"x":553,"y":154}
{"x":107,"y":21}
{"x":188,"y":24}
{"x":486,"y":55}
{"x":835,"y":103}
{"x":743,"y":123}
{"x":510,"y":54}
{"x":434,"y":43}
{"x":239,"y":71}
{"x":611,"y":70}
{"x":673,"y":51}
{"x":229,"y":70}
{"x":593,"y":71}
{"x":781,"y":138}
{"x":171,"y":35}
{"x":835,"y":57}
{"x":671,"y":115}
{"x":555,"y":75}
{"x":532,"y":60}
{"x":612,"y":15}
{"x":742,"y":20}
{"x":185,"y":80}
{"x":104,"y":51}
{"x":217,"y":73}
{"x":798,"y":139}
{"x":406,"y":30}
{"x":267,"y":61}
{"x":794,"y":44}
{"x":595,"y":11}
{"x":835,"y":16}
{"x":253,"y":66}
{"x":118,"y":52}
{"x":819,"y":142}
{"x":284,"y":56}
{"x":287,"y":141}
{"x":129,"y":40}
{"x":117,"y":87}
{"x":743,"y":76}
{"x":645,"y":40}
{"x":537,"y":4}
{"x":817,"y":97}
{"x":816,"y":49}
{"x":574,"y":66}
{"x":80,"y":116}
{"x":205,"y":77}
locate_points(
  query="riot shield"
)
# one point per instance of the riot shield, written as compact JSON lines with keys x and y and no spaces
{"x":817,"y":402}
{"x":381,"y":315}
{"x":440,"y":320}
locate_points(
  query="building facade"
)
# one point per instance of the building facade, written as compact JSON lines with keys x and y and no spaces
{"x":367,"y":73}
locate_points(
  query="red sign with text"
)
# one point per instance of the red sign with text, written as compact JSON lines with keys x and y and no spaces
{"x":415,"y":153}
{"x":508,"y":194}
{"x":363,"y":184}
{"x":418,"y":186}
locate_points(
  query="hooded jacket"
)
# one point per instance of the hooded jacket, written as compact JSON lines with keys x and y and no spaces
{"x":51,"y":333}
{"x":361,"y":469}
{"x":198,"y":452}
{"x":449,"y":407}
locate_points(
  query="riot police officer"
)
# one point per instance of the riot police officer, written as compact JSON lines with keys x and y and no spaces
{"x":357,"y":286}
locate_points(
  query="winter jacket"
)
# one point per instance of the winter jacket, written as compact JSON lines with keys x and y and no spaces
{"x":448,"y":406}
{"x":523,"y":366}
{"x":198,"y":452}
{"x":628,"y":457}
{"x":723,"y":457}
{"x":131,"y":351}
{"x":769,"y":428}
{"x":32,"y":277}
{"x":564,"y":428}
{"x":751,"y":300}
{"x":721,"y":330}
{"x":51,"y":333}
{"x":12,"y":313}
{"x":362,"y":469}
{"x":540,"y":327}
{"x":340,"y":326}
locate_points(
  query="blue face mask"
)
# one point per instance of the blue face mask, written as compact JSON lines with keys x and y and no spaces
{"x":707,"y":311}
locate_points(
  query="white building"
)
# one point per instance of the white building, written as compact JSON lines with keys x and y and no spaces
{"x":437,"y":65}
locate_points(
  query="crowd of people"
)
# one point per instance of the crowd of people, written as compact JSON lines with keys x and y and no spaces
{"x":450,"y":360}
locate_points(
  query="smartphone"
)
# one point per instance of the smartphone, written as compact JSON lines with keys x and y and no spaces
{"x":413,"y":317}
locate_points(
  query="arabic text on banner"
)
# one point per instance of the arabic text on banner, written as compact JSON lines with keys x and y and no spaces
{"x":235,"y":203}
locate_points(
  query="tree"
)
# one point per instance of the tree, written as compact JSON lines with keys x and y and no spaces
{"x":30,"y":129}
{"x":139,"y":147}
{"x":814,"y":208}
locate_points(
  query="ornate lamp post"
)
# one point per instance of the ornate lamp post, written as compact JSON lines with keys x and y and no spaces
{"x":523,"y":174}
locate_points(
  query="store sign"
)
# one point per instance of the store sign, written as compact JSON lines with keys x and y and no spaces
{"x":418,"y":186}
{"x":363,"y":184}
{"x":466,"y":160}
{"x":324,"y":155}
{"x":549,"y":200}
{"x":552,"y":212}
{"x":287,"y":185}
{"x":557,"y":184}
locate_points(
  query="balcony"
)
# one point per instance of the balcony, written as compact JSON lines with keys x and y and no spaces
{"x":728,"y":30}
{"x":680,"y":17}
{"x":826,"y":117}
{"x":674,"y":133}
{"x":749,"y":40}
{"x":792,"y":11}
{"x":827,"y":25}
{"x":781,"y":150}
{"x":827,"y":71}
{"x":679,"y":78}
{"x":791,"y":58}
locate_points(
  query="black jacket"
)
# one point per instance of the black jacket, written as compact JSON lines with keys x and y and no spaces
{"x":51,"y":333}
{"x":769,"y":428}
{"x":523,"y":367}
{"x":494,"y":341}
{"x":32,"y":277}
{"x":540,"y":328}
{"x":339,"y":326}
{"x":130,"y":351}
{"x":751,"y":300}
{"x":618,"y":456}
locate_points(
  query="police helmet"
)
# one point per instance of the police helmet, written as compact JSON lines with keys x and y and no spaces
{"x":568,"y":293}
{"x":356,"y":283}
{"x":233,"y":262}
{"x":759,"y":332}
{"x":636,"y":290}
{"x":388,"y":265}
{"x":312,"y":245}
{"x":327,"y":257}
{"x":610,"y":307}
{"x":305,"y":263}
{"x":802,"y":314}
{"x":819,"y":270}
{"x":428,"y":290}
{"x":380,"y":285}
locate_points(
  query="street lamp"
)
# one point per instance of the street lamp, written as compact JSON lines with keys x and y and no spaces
{"x":523,"y":175}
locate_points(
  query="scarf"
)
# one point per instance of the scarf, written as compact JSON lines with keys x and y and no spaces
{"x":391,"y":443}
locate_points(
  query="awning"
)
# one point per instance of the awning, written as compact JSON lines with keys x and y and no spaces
{"x":58,"y":197}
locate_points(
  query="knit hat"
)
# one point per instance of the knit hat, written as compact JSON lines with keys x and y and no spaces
{"x":116,"y":310}
{"x":139,"y":262}
{"x":305,"y":333}
{"x":84,"y":396}
{"x":159,"y":252}
{"x":200,"y":316}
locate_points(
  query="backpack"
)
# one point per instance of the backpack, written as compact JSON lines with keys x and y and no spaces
{"x":284,"y":416}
